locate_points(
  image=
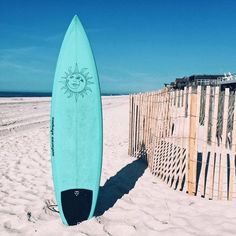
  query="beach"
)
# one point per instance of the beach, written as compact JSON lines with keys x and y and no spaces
{"x":131,"y":201}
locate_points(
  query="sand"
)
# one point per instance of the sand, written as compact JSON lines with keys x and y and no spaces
{"x":131,"y":200}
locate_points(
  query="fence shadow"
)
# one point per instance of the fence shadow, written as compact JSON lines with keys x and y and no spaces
{"x":119,"y":185}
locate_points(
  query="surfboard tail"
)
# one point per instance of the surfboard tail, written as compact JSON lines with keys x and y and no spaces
{"x":76,"y":205}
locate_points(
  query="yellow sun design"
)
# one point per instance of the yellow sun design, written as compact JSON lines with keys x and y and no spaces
{"x":76,"y":82}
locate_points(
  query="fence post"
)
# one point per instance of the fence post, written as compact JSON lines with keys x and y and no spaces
{"x":193,"y":136}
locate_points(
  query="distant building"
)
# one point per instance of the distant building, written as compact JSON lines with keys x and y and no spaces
{"x":225,"y":81}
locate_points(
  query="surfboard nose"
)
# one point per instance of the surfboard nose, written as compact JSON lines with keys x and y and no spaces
{"x":76,"y":205}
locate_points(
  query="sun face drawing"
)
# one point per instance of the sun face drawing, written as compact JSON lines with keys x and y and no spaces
{"x":76,"y":82}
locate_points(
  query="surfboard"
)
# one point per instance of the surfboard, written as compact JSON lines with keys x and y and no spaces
{"x":76,"y":128}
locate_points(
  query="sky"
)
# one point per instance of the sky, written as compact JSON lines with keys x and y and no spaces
{"x":138,"y":45}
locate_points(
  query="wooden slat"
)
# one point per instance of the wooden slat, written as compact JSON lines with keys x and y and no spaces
{"x":187,"y":135}
{"x":204,"y":146}
{"x":162,"y":149}
{"x":129,"y":124}
{"x":173,"y":139}
{"x":166,"y":132}
{"x":132,"y":125}
{"x":170,"y":137}
{"x":181,"y":137}
{"x":213,"y":162}
{"x":222,"y":190}
{"x":150,"y":154}
{"x":154,"y":145}
{"x":177,"y":142}
{"x":232,"y":156}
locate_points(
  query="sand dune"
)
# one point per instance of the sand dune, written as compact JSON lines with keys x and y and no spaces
{"x":131,"y":200}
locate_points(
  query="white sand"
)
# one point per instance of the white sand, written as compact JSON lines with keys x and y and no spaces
{"x":131,"y":201}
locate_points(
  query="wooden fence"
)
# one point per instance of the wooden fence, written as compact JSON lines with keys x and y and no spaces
{"x":188,"y":137}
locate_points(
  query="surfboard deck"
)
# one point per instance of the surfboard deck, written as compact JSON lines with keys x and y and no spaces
{"x":76,"y":128}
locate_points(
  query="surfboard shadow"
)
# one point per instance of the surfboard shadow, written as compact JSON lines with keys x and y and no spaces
{"x":119,"y":185}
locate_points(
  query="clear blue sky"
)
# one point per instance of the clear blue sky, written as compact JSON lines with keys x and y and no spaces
{"x":138,"y":45}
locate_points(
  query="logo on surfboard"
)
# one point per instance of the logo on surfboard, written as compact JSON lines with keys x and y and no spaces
{"x":76,"y":82}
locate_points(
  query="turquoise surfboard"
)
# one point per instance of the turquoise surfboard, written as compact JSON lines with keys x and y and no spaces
{"x":76,"y":128}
